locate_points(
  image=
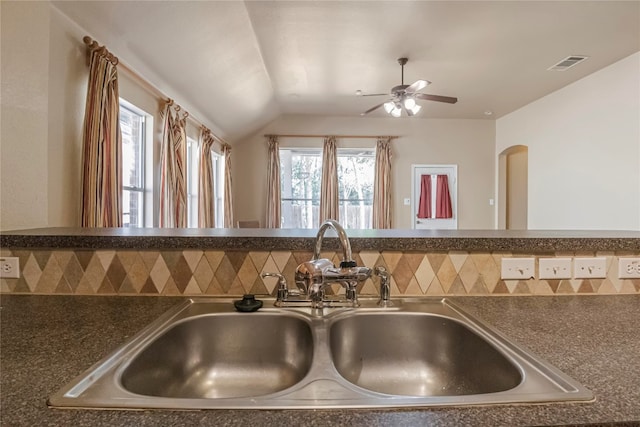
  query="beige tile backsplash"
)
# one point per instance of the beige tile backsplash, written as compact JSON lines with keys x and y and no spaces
{"x":232,"y":273}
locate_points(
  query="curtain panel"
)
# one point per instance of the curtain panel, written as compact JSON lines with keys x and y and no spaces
{"x":102,"y":145}
{"x":424,"y":205}
{"x":206,"y":181}
{"x":329,"y":199}
{"x":228,"y":198}
{"x":382,"y":184}
{"x":173,"y":188}
{"x":443,"y":198}
{"x":443,"y":207}
{"x":273,"y":183}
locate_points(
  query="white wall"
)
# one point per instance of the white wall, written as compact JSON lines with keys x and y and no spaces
{"x":467,"y":143}
{"x":68,"y":74}
{"x":584,"y":151}
{"x":24,"y":114}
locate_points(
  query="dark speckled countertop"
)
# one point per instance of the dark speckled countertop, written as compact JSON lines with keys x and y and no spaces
{"x":47,"y":340}
{"x":532,"y":241}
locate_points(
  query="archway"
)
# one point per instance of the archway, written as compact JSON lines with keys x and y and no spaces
{"x":513,"y":184}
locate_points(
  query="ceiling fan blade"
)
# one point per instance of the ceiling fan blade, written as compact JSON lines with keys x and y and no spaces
{"x":375,"y":94}
{"x":438,"y":98}
{"x":372,"y":109}
{"x":416,"y":86}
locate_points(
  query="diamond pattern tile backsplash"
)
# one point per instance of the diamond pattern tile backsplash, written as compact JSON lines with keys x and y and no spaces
{"x":233,"y":273}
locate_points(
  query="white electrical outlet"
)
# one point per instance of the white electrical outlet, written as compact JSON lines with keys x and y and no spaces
{"x":590,"y":268}
{"x":10,"y":267}
{"x":629,"y":268}
{"x":518,"y":268}
{"x":554,"y":268}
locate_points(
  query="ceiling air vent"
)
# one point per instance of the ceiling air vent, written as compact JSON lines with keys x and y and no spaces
{"x":567,"y":63}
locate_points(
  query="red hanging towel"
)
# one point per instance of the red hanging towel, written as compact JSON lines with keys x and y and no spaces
{"x":443,"y":199}
{"x":424,"y":207}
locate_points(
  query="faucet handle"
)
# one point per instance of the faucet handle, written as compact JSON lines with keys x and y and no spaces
{"x":385,"y":286}
{"x":381,"y":271}
{"x":283,"y":289}
{"x":278,"y":275}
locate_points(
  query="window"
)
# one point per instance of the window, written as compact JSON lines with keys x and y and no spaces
{"x":356,"y":172}
{"x":193,"y":175}
{"x":192,"y":172}
{"x":133,"y":127}
{"x":300,"y":178}
{"x":300,"y":175}
{"x":218,"y":191}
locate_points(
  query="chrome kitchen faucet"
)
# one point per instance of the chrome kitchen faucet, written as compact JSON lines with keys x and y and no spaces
{"x":312,"y":277}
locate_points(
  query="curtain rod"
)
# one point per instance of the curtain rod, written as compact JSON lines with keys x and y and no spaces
{"x":336,"y":136}
{"x":92,"y":44}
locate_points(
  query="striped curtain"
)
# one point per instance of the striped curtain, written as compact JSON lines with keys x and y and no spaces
{"x":173,"y":188}
{"x":102,"y":145}
{"x":329,"y":185}
{"x":273,"y":183}
{"x":206,"y":200}
{"x":382,"y":184}
{"x":228,"y":198}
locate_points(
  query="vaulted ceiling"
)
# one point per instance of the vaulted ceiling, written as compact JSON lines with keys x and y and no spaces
{"x":241,"y":64}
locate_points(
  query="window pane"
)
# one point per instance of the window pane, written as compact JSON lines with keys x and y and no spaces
{"x":301,"y":172}
{"x":193,"y":170}
{"x":356,"y":173}
{"x":132,"y":208}
{"x":132,"y":128}
{"x":218,"y":190}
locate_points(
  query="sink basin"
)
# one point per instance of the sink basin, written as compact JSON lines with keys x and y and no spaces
{"x":421,"y":352}
{"x":223,"y":356}
{"x":418,"y":354}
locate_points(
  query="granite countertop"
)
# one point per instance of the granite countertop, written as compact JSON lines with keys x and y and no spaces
{"x":532,"y":241}
{"x":48,"y":340}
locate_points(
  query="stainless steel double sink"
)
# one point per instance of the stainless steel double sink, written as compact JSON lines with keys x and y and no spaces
{"x":202,"y":354}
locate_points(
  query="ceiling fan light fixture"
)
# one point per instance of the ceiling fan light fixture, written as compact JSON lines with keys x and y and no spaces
{"x":389,"y":106}
{"x":409,"y":103}
{"x":397,"y":111}
{"x":416,"y":108}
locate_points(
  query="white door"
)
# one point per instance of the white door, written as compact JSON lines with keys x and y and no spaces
{"x":417,"y":171}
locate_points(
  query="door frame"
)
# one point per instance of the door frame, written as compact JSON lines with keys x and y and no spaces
{"x":452,"y":171}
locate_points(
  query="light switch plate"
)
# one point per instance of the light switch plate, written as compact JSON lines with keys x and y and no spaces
{"x":518,"y":268}
{"x":554,"y":268}
{"x":590,"y":268}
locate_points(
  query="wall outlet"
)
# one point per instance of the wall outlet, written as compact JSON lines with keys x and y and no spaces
{"x":10,"y":267}
{"x":518,"y":268}
{"x":407,"y":201}
{"x":554,"y":268}
{"x":629,"y":268}
{"x":590,"y":268}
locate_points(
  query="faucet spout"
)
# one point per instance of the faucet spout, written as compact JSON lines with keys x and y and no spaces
{"x":313,"y":276}
{"x":347,"y":259}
